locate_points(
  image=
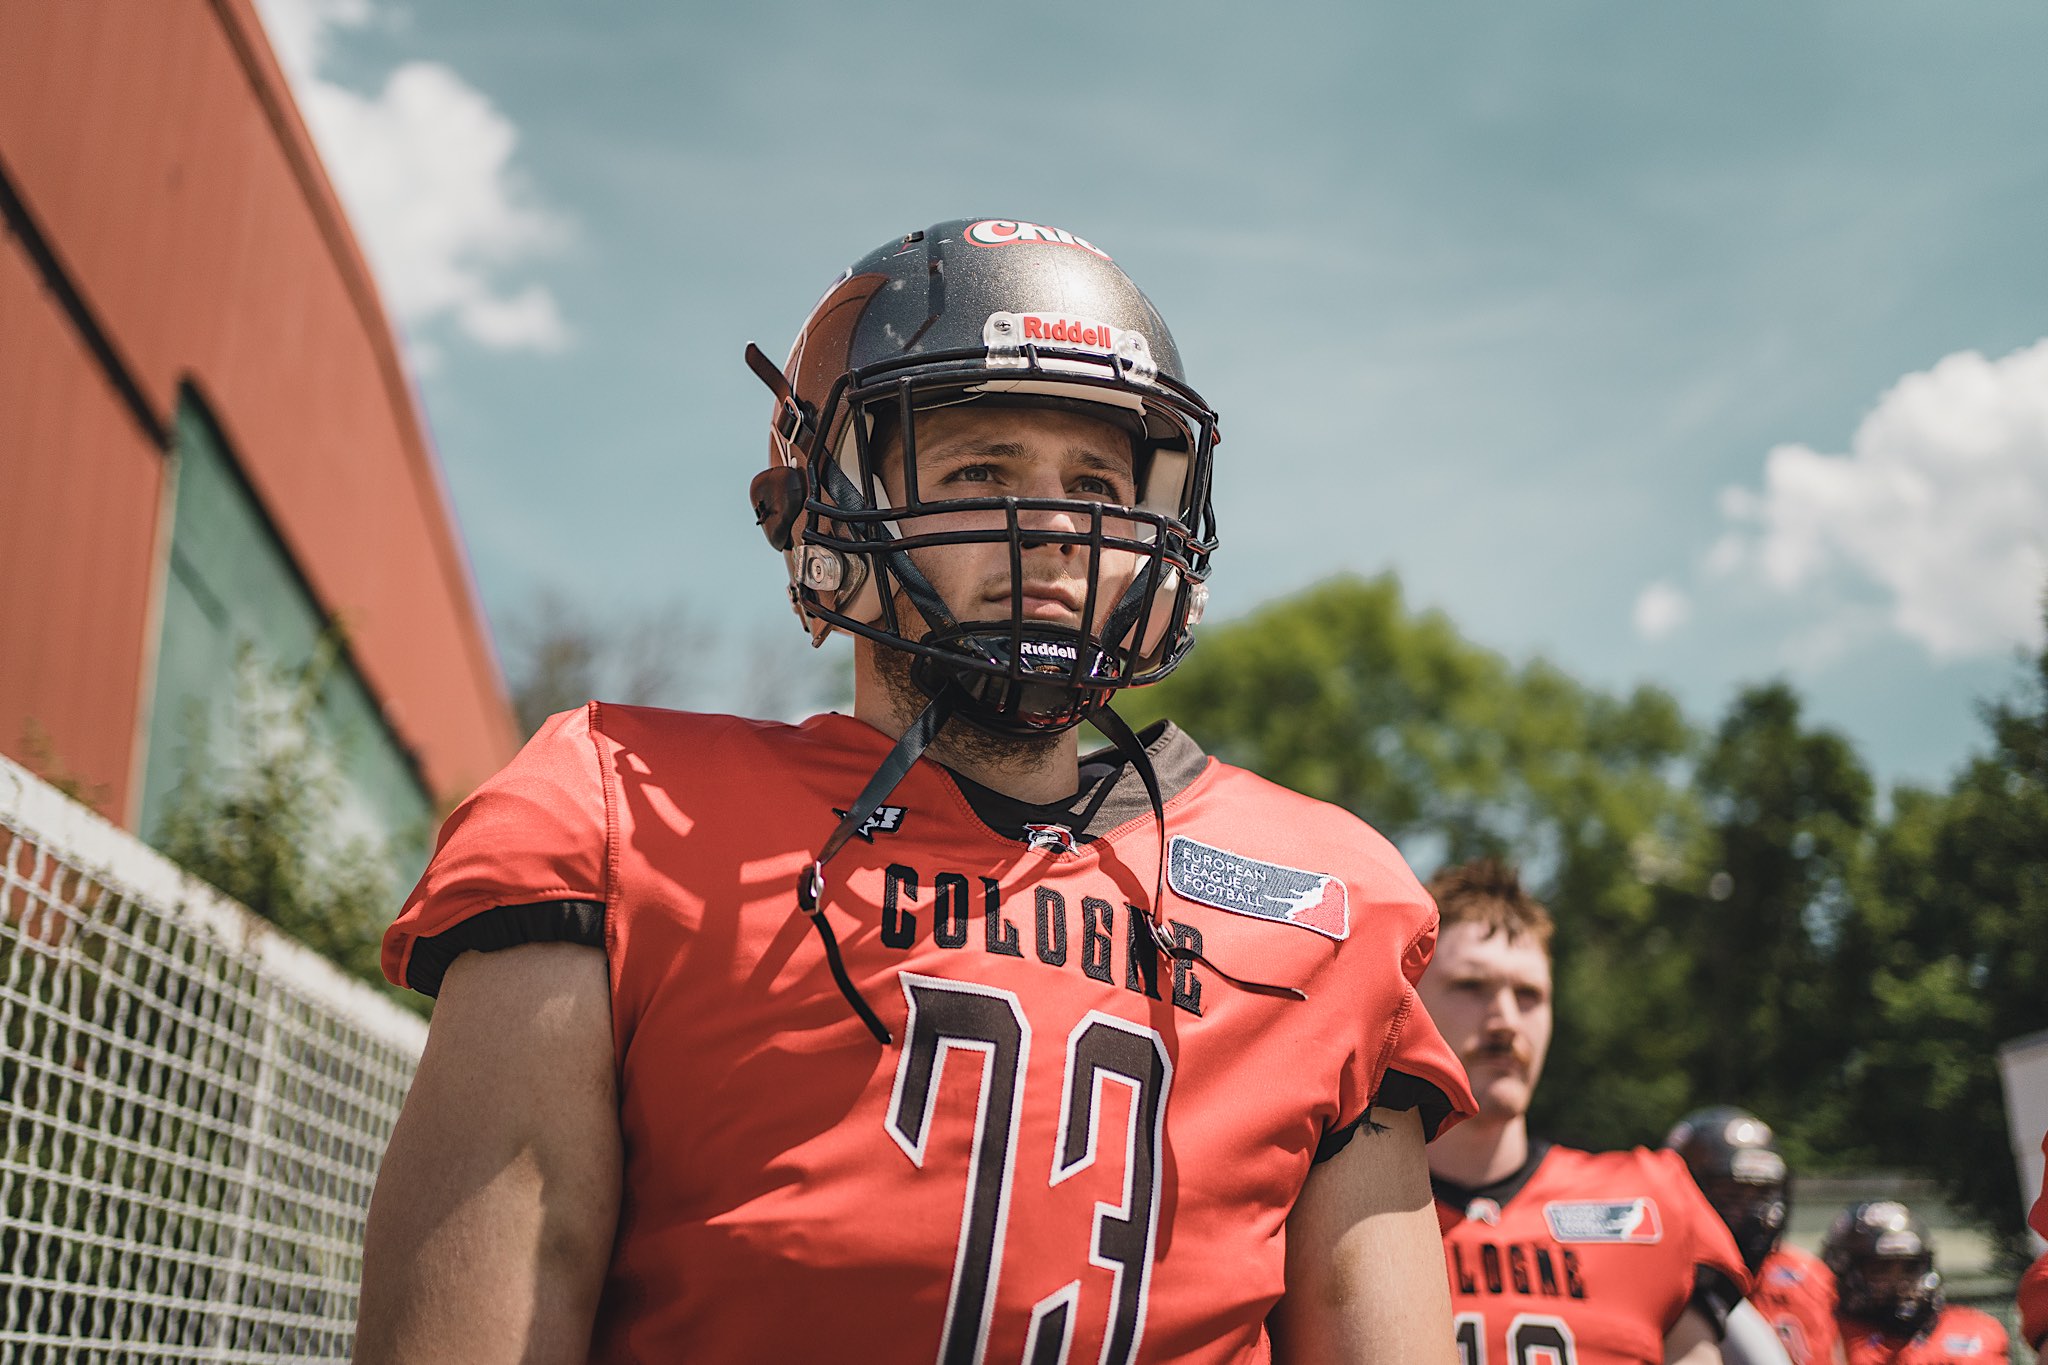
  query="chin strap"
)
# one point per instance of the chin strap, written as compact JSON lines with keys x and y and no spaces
{"x":810,"y":887}
{"x":1127,"y":742}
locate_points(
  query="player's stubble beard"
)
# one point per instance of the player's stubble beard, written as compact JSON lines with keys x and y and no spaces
{"x":960,"y":744}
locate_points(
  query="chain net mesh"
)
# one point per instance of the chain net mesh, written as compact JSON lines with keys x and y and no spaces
{"x":192,"y":1109}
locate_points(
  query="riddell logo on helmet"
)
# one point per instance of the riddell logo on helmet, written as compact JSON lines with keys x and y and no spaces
{"x":1061,"y":330}
{"x":1064,"y":331}
{"x":1003,"y":232}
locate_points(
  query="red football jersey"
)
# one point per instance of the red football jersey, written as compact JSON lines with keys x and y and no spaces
{"x":1072,"y":1149}
{"x":1588,"y":1259}
{"x":1796,"y":1295}
{"x":1960,"y":1336}
{"x":2034,"y":1283}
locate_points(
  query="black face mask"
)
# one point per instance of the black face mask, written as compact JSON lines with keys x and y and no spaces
{"x":1755,"y":1214}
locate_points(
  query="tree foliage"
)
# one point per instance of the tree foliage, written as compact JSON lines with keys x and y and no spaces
{"x":1738,"y":920}
{"x":265,"y":821}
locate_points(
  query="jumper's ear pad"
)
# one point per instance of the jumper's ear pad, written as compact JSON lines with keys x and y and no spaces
{"x":778,"y":498}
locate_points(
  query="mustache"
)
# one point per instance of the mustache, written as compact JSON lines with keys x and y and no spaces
{"x":1514,"y":1050}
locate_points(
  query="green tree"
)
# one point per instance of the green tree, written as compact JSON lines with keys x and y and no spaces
{"x":1944,"y":957}
{"x":266,"y":824}
{"x":1759,"y":912}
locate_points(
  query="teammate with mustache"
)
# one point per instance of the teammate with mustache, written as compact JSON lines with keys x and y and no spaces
{"x":1555,"y":1256}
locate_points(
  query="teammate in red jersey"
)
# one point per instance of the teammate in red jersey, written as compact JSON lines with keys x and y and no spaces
{"x":1555,"y":1256}
{"x":2034,"y":1283}
{"x":916,"y":1034}
{"x":1734,"y":1158}
{"x":1892,"y":1311}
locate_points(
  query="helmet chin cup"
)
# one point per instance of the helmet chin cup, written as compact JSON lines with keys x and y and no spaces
{"x":1016,"y":680}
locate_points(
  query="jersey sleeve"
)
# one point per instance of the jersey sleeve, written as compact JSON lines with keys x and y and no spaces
{"x":1407,"y":1064}
{"x":526,"y":858}
{"x":1421,"y":1072}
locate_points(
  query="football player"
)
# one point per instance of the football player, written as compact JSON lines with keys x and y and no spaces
{"x":2034,"y":1283}
{"x":1555,"y":1255}
{"x":916,"y":1034}
{"x":1892,"y":1311}
{"x":1734,"y":1158}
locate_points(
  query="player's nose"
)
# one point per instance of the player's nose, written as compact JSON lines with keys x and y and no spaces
{"x":1503,"y":1011}
{"x":1056,"y":526}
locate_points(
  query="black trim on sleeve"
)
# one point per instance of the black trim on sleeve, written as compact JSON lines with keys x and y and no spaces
{"x":1715,"y":1295}
{"x":1398,"y":1090}
{"x":503,"y":926}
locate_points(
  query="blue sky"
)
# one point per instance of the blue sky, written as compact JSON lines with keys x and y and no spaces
{"x":1680,"y":343}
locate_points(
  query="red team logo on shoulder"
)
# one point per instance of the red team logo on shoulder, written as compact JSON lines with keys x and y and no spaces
{"x":1633,"y":1220}
{"x":1246,"y":886}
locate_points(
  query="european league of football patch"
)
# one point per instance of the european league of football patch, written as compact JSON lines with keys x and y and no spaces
{"x":1246,"y":886}
{"x":1622,"y":1220}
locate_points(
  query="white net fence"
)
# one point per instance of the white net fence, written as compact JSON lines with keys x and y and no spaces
{"x":192,"y":1108}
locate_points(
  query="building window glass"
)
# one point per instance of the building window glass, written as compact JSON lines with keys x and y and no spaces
{"x":237,"y":612}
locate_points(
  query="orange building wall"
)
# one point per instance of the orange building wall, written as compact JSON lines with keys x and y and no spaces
{"x":155,"y":144}
{"x":78,"y":532}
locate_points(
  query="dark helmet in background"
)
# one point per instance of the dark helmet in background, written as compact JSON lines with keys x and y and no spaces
{"x":989,"y":311}
{"x":1733,"y":1156}
{"x":1883,"y":1263}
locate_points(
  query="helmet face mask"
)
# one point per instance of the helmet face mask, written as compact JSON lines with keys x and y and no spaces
{"x":1884,"y":1266}
{"x":874,"y":367}
{"x":1733,"y":1157}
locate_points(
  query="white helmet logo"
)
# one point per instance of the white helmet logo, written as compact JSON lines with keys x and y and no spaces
{"x":1004,"y":232}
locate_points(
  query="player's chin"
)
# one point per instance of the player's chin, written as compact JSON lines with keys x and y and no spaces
{"x":1503,"y":1096}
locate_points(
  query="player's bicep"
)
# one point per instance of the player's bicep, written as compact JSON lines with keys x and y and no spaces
{"x":1365,"y":1262}
{"x":495,"y":1208}
{"x":1692,"y":1341}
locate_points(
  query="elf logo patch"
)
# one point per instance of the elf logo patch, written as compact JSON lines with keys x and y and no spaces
{"x":885,"y":820}
{"x":1246,"y":886}
{"x":1050,"y":838}
{"x":1629,"y":1220}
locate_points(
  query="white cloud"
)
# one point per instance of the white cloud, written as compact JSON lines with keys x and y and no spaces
{"x":1660,"y":609}
{"x":1941,"y":501}
{"x":425,"y":166}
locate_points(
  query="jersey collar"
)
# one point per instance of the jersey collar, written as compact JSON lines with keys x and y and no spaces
{"x":1500,"y":1191}
{"x":1111,"y":792}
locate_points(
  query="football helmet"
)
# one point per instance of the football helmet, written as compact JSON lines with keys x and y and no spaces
{"x":1734,"y":1158}
{"x":1002,"y":312}
{"x":1884,"y":1266}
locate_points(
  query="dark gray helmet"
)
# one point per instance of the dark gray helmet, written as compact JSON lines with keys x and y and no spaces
{"x":1734,"y":1159}
{"x":1861,"y":1241}
{"x":988,"y":311}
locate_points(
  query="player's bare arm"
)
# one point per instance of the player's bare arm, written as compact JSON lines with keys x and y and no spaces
{"x":1692,"y":1341}
{"x":494,"y":1211}
{"x":1365,"y":1272}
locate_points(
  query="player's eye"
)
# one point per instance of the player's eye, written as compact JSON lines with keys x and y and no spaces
{"x":969,"y":474}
